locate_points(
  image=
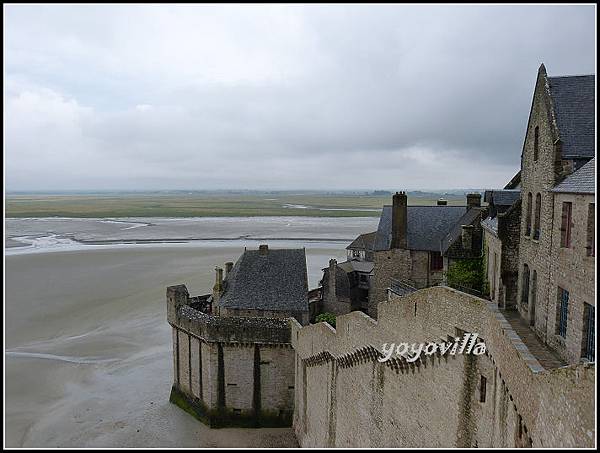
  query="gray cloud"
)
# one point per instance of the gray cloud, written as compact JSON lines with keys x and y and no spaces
{"x":138,"y":97}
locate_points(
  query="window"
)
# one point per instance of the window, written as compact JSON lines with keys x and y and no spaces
{"x":528,"y":207}
{"x":536,"y":223}
{"x":525,"y":288}
{"x":591,"y":239}
{"x":493,"y":280}
{"x":482,"y":389}
{"x":563,"y":312}
{"x":536,"y":143}
{"x":589,"y":333}
{"x":566,"y":225}
{"x":533,"y":298}
{"x":437,"y":261}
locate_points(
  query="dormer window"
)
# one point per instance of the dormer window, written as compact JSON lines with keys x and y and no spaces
{"x":536,"y":143}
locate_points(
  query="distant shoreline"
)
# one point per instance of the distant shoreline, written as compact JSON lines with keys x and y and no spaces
{"x":199,"y":205}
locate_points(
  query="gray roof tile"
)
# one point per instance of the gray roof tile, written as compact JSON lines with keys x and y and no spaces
{"x":363,"y":242}
{"x":574,"y":105}
{"x":581,"y":181}
{"x":275,"y":281}
{"x":427,"y":226}
{"x":502,"y":197}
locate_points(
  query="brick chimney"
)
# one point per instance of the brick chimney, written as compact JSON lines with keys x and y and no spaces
{"x":218,"y":279}
{"x":399,"y":221}
{"x":228,"y":267}
{"x":442,"y":202}
{"x":473,"y":200}
{"x":467,"y":236}
{"x":332,"y":272}
{"x":263,"y":249}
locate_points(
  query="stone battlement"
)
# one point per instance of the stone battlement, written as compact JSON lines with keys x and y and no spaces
{"x":230,"y":371}
{"x":501,"y":399}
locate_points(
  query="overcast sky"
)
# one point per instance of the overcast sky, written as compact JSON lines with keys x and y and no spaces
{"x":277,"y":97}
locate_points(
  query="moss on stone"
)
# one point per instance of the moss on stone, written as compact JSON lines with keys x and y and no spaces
{"x":227,"y":418}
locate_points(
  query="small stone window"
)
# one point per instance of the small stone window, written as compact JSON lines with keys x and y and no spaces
{"x":562,"y":312}
{"x":482,"y":389}
{"x":566,"y":224}
{"x":437,"y":261}
{"x":536,"y":222}
{"x":591,"y":238}
{"x":528,"y":215}
{"x":588,"y":338}
{"x":525,"y":287}
{"x":536,"y":143}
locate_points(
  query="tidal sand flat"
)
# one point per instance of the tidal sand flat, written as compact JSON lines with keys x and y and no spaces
{"x":88,"y":348}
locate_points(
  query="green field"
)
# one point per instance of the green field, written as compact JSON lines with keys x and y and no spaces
{"x":203,"y":205}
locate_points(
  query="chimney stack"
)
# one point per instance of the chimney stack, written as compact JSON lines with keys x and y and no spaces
{"x":263,"y":249}
{"x":399,"y":221}
{"x":442,"y":202}
{"x":218,"y":278}
{"x":467,"y":236}
{"x":228,"y":267}
{"x":473,"y":200}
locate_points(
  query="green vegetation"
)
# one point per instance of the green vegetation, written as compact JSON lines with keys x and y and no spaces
{"x":201,"y":205}
{"x":467,"y":275}
{"x":326,"y":317}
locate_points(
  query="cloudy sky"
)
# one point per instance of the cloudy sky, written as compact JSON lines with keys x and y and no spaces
{"x":277,"y":97}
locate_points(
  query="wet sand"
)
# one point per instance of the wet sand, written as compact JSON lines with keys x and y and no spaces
{"x":88,"y":352}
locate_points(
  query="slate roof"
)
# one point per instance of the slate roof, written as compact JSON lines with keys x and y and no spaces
{"x":491,"y":223}
{"x":427,"y":226}
{"x":363,"y":242}
{"x":503,"y":197}
{"x":573,"y":98}
{"x":580,"y":181}
{"x":466,"y":219}
{"x":357,"y":266}
{"x":275,"y":281}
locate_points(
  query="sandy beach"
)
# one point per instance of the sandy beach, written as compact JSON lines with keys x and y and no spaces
{"x":88,"y":352}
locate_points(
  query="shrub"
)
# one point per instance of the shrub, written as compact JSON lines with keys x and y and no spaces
{"x":327,"y":317}
{"x":469,"y":274}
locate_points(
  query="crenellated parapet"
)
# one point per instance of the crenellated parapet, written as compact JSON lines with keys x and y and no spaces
{"x":504,"y":397}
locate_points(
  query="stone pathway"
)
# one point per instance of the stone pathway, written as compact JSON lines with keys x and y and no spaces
{"x":547,"y":358}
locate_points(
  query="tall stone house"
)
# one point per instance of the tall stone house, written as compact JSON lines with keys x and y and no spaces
{"x":415,"y":245}
{"x":556,"y":239}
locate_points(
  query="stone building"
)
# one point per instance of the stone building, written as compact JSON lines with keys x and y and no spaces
{"x":501,"y":245}
{"x":556,"y":264}
{"x":345,"y":286}
{"x":411,"y":242}
{"x":232,"y":354}
{"x":362,"y":248}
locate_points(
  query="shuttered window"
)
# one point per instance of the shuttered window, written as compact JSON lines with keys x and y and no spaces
{"x":563,"y":311}
{"x":591,"y":238}
{"x":589,"y":332}
{"x":566,"y":225}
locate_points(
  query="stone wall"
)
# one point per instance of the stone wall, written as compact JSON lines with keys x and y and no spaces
{"x":346,"y":397}
{"x":230,"y":371}
{"x":409,"y":266}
